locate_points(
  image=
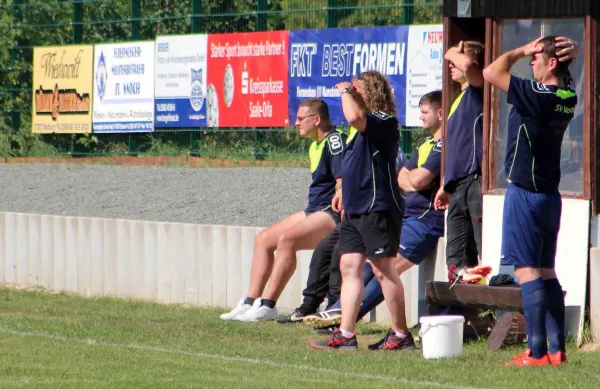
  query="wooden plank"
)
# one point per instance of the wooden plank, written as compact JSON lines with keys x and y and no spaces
{"x":593,"y":114}
{"x":589,"y":140}
{"x":487,"y":92}
{"x":506,"y":298}
{"x":523,"y":9}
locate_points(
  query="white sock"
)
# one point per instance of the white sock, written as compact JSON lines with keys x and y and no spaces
{"x":401,"y":335}
{"x":346,"y":334}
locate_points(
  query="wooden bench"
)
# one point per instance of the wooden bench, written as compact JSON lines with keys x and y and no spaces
{"x":471,"y":299}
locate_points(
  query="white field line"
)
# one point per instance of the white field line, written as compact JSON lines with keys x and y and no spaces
{"x":263,"y":362}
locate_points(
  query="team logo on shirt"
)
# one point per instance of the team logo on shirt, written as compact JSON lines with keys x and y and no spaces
{"x":336,"y":145}
{"x":539,"y":87}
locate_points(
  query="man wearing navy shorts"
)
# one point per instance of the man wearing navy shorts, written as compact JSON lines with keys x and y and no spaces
{"x":302,"y":230}
{"x":541,"y":111}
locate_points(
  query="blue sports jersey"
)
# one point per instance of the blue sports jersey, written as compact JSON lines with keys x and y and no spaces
{"x":463,"y":137}
{"x":420,"y":204}
{"x":537,"y":122}
{"x":326,"y":166}
{"x":370,"y":182}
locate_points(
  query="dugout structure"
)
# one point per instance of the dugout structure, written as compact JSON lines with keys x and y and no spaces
{"x":503,"y":25}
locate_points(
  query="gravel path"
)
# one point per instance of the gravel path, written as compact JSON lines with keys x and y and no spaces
{"x":227,"y":196}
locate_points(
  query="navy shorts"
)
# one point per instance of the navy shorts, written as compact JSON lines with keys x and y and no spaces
{"x":418,"y":239}
{"x":530,"y":225}
{"x":334,"y":215}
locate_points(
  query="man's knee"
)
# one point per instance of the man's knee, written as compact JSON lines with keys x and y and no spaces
{"x":264,"y":239}
{"x":349,"y":269}
{"x":286,"y":242}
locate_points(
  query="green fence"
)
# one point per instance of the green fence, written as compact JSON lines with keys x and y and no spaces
{"x":25,"y":24}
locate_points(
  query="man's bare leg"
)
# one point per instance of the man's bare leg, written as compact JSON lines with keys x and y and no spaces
{"x":304,"y":235}
{"x":264,"y":246}
{"x":351,"y":266}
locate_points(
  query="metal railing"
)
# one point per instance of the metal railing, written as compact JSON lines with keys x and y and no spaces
{"x":25,"y":24}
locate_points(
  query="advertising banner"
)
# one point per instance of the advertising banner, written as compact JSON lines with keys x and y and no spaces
{"x":247,"y":79}
{"x":62,"y":89}
{"x":180,"y":81}
{"x":424,"y":68}
{"x":319,"y":59}
{"x":124,"y":87}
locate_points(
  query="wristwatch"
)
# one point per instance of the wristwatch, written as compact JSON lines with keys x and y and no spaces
{"x":346,"y":90}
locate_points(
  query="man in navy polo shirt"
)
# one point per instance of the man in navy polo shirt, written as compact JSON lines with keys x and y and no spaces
{"x":373,"y":207}
{"x":541,"y":111}
{"x":461,"y":189}
{"x":302,"y":230}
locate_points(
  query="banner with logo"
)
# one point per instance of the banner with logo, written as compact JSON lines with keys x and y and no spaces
{"x":425,"y":63}
{"x":319,"y":59}
{"x":180,"y":81}
{"x":124,"y":87}
{"x":248,"y":79}
{"x":62,"y":89}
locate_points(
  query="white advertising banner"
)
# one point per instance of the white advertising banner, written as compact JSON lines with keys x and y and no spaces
{"x":124,"y":87}
{"x":180,"y":91}
{"x":425,"y":61}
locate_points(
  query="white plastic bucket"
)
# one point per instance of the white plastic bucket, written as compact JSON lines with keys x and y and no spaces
{"x":441,"y":336}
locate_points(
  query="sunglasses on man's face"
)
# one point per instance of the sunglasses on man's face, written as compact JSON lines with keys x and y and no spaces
{"x":301,"y":118}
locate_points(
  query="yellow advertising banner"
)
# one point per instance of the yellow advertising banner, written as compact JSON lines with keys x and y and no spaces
{"x":62,"y":89}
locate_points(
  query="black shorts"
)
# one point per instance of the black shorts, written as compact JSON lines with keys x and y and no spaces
{"x":334,"y":215}
{"x":376,"y":234}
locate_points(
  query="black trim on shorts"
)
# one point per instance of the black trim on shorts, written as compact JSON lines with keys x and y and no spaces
{"x":334,"y":215}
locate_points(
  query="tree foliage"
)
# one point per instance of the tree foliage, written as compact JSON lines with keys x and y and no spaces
{"x":28,"y":23}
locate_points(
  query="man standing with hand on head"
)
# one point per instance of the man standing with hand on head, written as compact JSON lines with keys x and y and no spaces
{"x":541,"y":111}
{"x":460,"y":191}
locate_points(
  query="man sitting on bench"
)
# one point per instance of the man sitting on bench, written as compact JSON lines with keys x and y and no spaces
{"x":422,"y":225}
{"x":302,"y":230}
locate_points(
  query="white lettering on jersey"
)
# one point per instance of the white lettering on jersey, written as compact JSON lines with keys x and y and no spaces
{"x":336,"y":145}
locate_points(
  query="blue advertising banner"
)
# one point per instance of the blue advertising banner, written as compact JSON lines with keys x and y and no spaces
{"x":319,"y":59}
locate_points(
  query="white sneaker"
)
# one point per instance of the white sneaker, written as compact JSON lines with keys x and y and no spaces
{"x":258,"y":313}
{"x":238,"y":310}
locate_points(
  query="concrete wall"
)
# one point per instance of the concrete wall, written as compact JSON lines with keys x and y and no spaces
{"x":171,"y":263}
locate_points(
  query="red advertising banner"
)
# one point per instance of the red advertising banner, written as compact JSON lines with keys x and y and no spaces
{"x":248,"y":79}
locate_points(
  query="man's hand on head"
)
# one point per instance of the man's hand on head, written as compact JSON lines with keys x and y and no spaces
{"x":531,"y":48}
{"x":343,"y":85}
{"x":566,"y":49}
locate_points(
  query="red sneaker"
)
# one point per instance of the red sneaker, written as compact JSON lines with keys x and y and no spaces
{"x":524,"y":360}
{"x":558,"y":358}
{"x":468,"y":275}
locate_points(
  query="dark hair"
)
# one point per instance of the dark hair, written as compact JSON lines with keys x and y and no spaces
{"x":434,"y":97}
{"x":549,"y":50}
{"x":475,"y":50}
{"x":378,"y":92}
{"x":317,"y":105}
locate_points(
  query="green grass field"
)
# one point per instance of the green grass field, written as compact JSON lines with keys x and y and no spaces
{"x":56,"y":340}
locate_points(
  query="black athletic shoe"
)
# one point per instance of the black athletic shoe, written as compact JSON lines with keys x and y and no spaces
{"x":393,"y":342}
{"x":295,"y":317}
